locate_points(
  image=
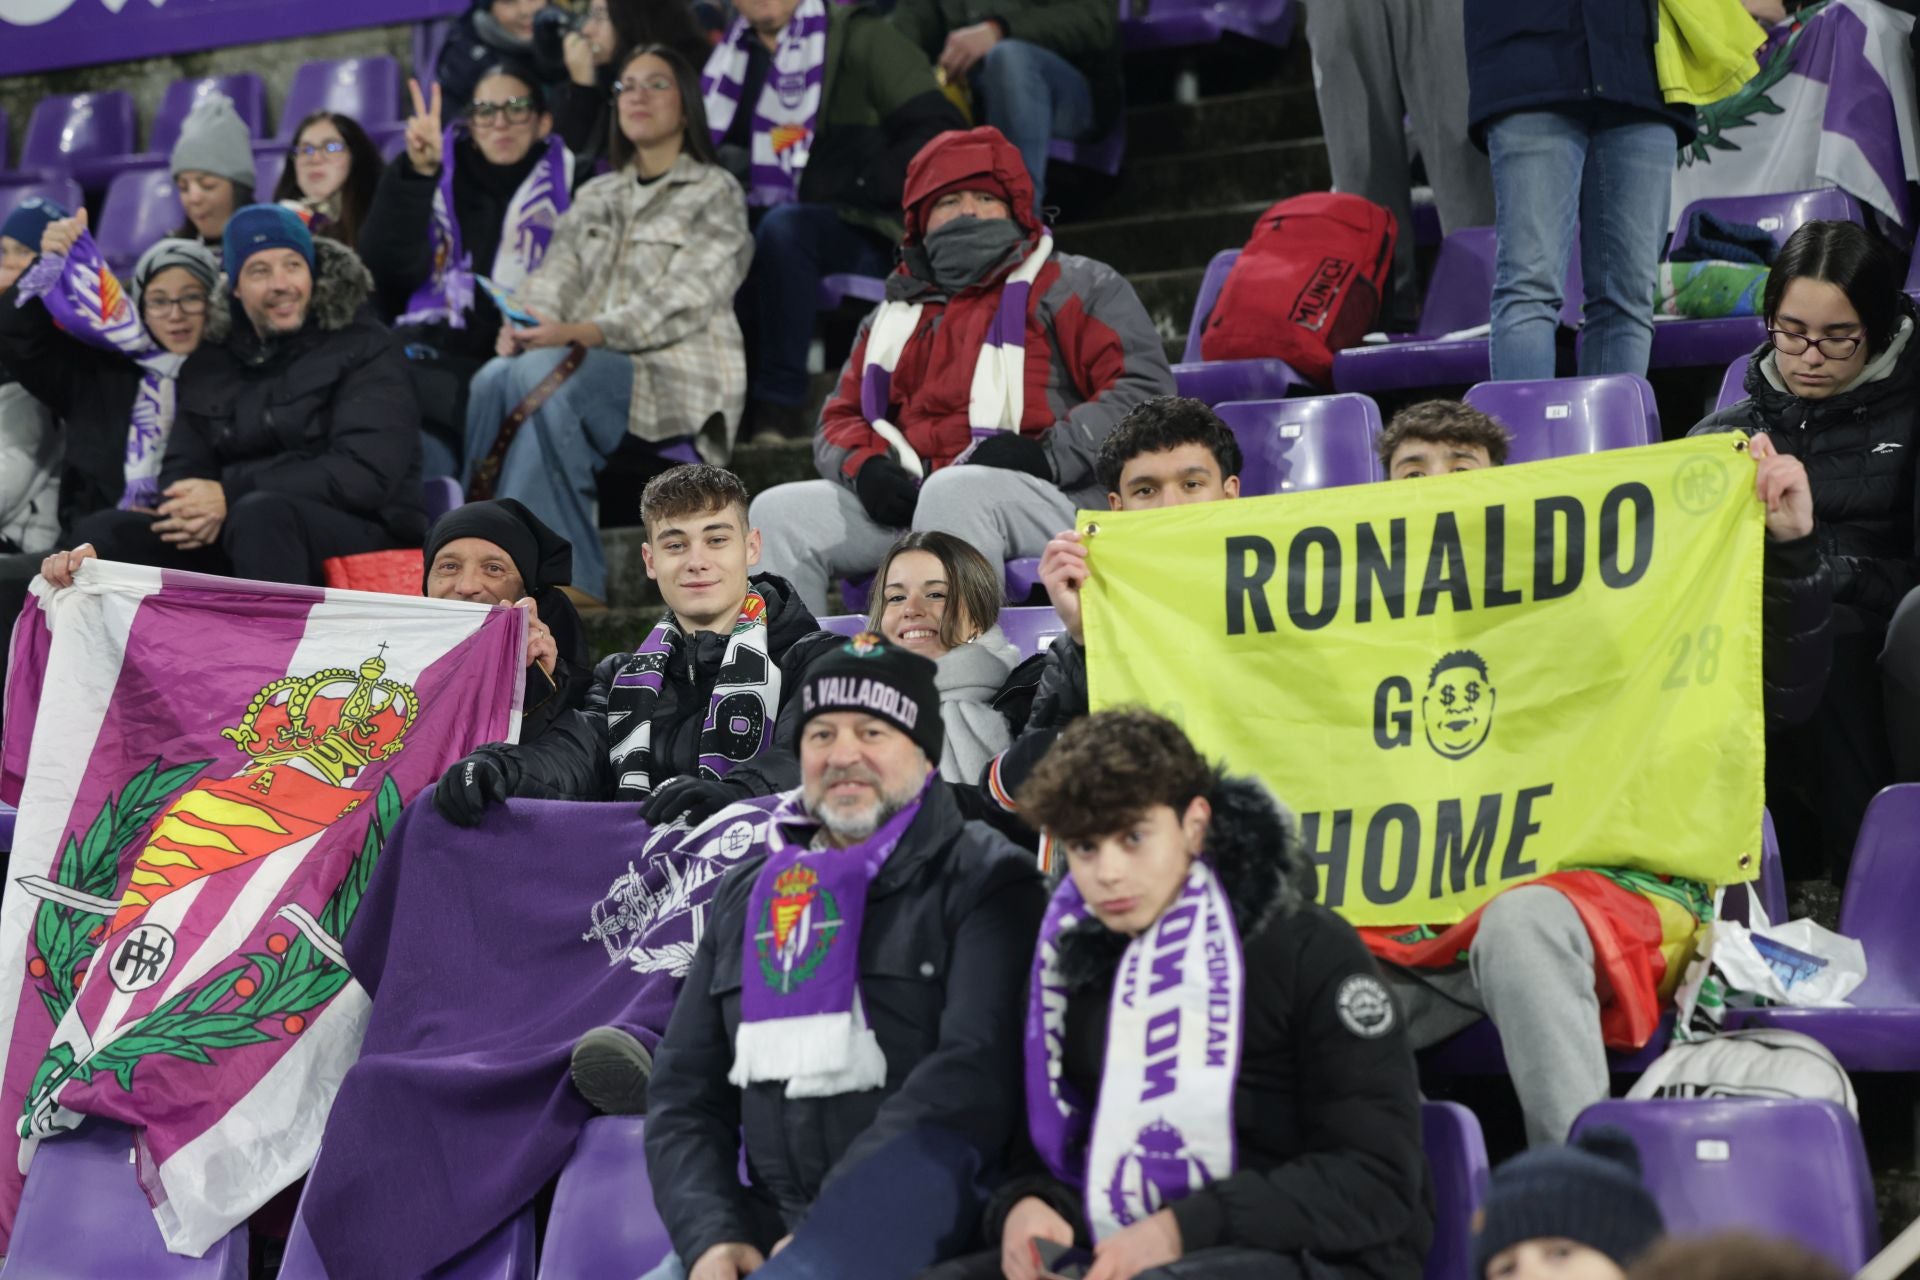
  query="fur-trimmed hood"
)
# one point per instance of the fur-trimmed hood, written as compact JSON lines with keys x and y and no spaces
{"x":342,"y":286}
{"x":1254,"y":845}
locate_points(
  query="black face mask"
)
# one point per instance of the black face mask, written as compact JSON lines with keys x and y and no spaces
{"x":965,"y":251}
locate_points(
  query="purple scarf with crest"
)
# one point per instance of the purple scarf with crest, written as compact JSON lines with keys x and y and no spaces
{"x":1162,"y":1127}
{"x":542,"y":197}
{"x":801,"y":1019}
{"x":88,"y":303}
{"x":785,"y":113}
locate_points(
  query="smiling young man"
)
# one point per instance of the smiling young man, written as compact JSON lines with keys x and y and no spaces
{"x":687,"y":722}
{"x":857,"y":990}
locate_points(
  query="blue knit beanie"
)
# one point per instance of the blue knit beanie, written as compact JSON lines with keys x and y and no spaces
{"x":263,"y":226}
{"x":29,"y":219}
{"x":1588,"y":1192}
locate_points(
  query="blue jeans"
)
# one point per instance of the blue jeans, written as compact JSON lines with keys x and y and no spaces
{"x":552,"y":462}
{"x":1033,"y":95}
{"x":794,"y":245}
{"x":1610,"y":173}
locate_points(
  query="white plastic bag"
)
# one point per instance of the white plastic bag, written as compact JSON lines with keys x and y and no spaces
{"x":1763,"y":964}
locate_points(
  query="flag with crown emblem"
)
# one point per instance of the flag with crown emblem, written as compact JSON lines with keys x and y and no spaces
{"x":200,"y":811}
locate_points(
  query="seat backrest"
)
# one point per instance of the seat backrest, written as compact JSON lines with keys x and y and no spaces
{"x":1791,"y":1167}
{"x":268,"y":165}
{"x":1733,"y":385}
{"x":1457,"y":1155}
{"x":1460,"y":294}
{"x":1560,"y":417}
{"x":6,"y":132}
{"x":141,"y":207}
{"x":1210,"y":285}
{"x":65,"y":128}
{"x":64,"y":192}
{"x":368,"y":89}
{"x":1770,"y":886}
{"x":243,"y":89}
{"x":1030,"y":629}
{"x":441,"y":494}
{"x":843,"y":624}
{"x":1315,"y":442}
{"x":1882,"y":885}
{"x":603,"y":1221}
{"x":1778,"y":215}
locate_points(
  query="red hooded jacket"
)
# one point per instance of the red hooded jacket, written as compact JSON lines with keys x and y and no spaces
{"x":1092,"y":352}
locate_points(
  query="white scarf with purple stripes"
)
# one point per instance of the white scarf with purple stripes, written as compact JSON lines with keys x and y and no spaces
{"x":998,"y":399}
{"x":788,"y":105}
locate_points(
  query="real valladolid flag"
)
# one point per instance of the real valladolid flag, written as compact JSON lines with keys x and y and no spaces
{"x":206,"y":771}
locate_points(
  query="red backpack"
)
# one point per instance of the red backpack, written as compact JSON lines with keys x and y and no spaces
{"x":1308,"y":283}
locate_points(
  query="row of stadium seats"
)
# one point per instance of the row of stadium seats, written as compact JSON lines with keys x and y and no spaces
{"x":1795,"y":1168}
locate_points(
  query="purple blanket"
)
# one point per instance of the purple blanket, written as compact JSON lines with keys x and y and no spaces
{"x":487,"y":954}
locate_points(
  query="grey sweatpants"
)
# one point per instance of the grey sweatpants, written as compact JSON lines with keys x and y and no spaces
{"x":1381,"y":67}
{"x":815,"y":530}
{"x":1530,"y":969}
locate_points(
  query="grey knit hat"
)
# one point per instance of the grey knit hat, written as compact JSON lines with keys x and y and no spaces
{"x":190,"y":254}
{"x":214,"y":139}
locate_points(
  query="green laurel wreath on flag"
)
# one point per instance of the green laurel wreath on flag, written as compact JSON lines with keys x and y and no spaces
{"x":276,"y":988}
{"x":64,"y":937}
{"x":1738,"y":109}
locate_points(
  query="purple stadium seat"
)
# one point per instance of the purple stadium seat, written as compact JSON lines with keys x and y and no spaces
{"x":441,"y":494}
{"x":368,"y":89}
{"x":1772,"y":884}
{"x":1103,"y":154}
{"x":1913,"y":265}
{"x":269,"y":162}
{"x":64,"y":192}
{"x":1788,"y":1167}
{"x":1459,"y":296}
{"x":83,"y":1214}
{"x":1690,"y":343}
{"x":1881,"y":1032}
{"x":391,"y":139}
{"x":243,"y":89}
{"x":7,"y":815}
{"x":141,"y":207}
{"x":1316,"y":442}
{"x":843,"y":624}
{"x":6,"y":132}
{"x":1478,"y":1051}
{"x":1733,"y":386}
{"x":1561,"y":417}
{"x":66,"y":131}
{"x":603,"y":1221}
{"x":505,"y":1254}
{"x":1457,"y":1156}
{"x":837,"y":289}
{"x":1181,"y":24}
{"x":1217,"y":381}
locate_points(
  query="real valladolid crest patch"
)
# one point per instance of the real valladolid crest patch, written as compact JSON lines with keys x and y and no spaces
{"x":799,"y":924}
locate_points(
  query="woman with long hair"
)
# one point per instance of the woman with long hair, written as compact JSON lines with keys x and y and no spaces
{"x":478,"y":199}
{"x":611,"y":29}
{"x":330,"y":175}
{"x":938,"y":597}
{"x":1835,"y":385}
{"x":629,"y":324}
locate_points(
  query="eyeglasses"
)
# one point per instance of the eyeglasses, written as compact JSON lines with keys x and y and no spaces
{"x":514,"y":110}
{"x":192,"y":304}
{"x":308,"y":150}
{"x":652,"y":86}
{"x":1787,"y":342}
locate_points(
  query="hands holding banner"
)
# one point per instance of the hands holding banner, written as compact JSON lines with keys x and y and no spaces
{"x":1063,"y":571}
{"x":1780,"y":481}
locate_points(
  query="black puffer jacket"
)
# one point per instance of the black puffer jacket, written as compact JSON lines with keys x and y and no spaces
{"x":326,"y":414}
{"x":90,"y":391}
{"x":572,"y":760}
{"x":949,"y":929}
{"x":1858,"y":448}
{"x":1327,"y":1108}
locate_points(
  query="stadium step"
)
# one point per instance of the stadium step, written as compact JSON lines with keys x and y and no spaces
{"x":1231,"y":120}
{"x":1200,"y":180}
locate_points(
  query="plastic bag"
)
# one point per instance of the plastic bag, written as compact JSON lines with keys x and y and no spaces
{"x":1762,"y":964}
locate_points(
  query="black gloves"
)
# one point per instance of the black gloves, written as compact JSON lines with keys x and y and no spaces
{"x":887,"y":492}
{"x":695,"y":799}
{"x":470,"y":785}
{"x":1011,"y":451}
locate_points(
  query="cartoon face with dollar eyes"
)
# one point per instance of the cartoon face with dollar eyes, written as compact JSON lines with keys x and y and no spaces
{"x":1457,"y":710}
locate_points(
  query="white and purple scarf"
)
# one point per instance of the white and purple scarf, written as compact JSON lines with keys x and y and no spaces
{"x":1162,"y":1127}
{"x":801,"y":1020}
{"x":88,"y":303}
{"x":998,"y":399}
{"x":740,"y":714}
{"x":543,"y":195}
{"x":789,"y":104}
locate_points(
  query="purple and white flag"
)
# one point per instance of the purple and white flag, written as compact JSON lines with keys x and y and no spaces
{"x":784,"y":115}
{"x":197,"y":825}
{"x":1163,"y":1125}
{"x":997,"y":399}
{"x":1833,"y":106}
{"x":543,"y":195}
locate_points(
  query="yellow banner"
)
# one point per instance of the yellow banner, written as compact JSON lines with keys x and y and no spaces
{"x":1464,"y":682}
